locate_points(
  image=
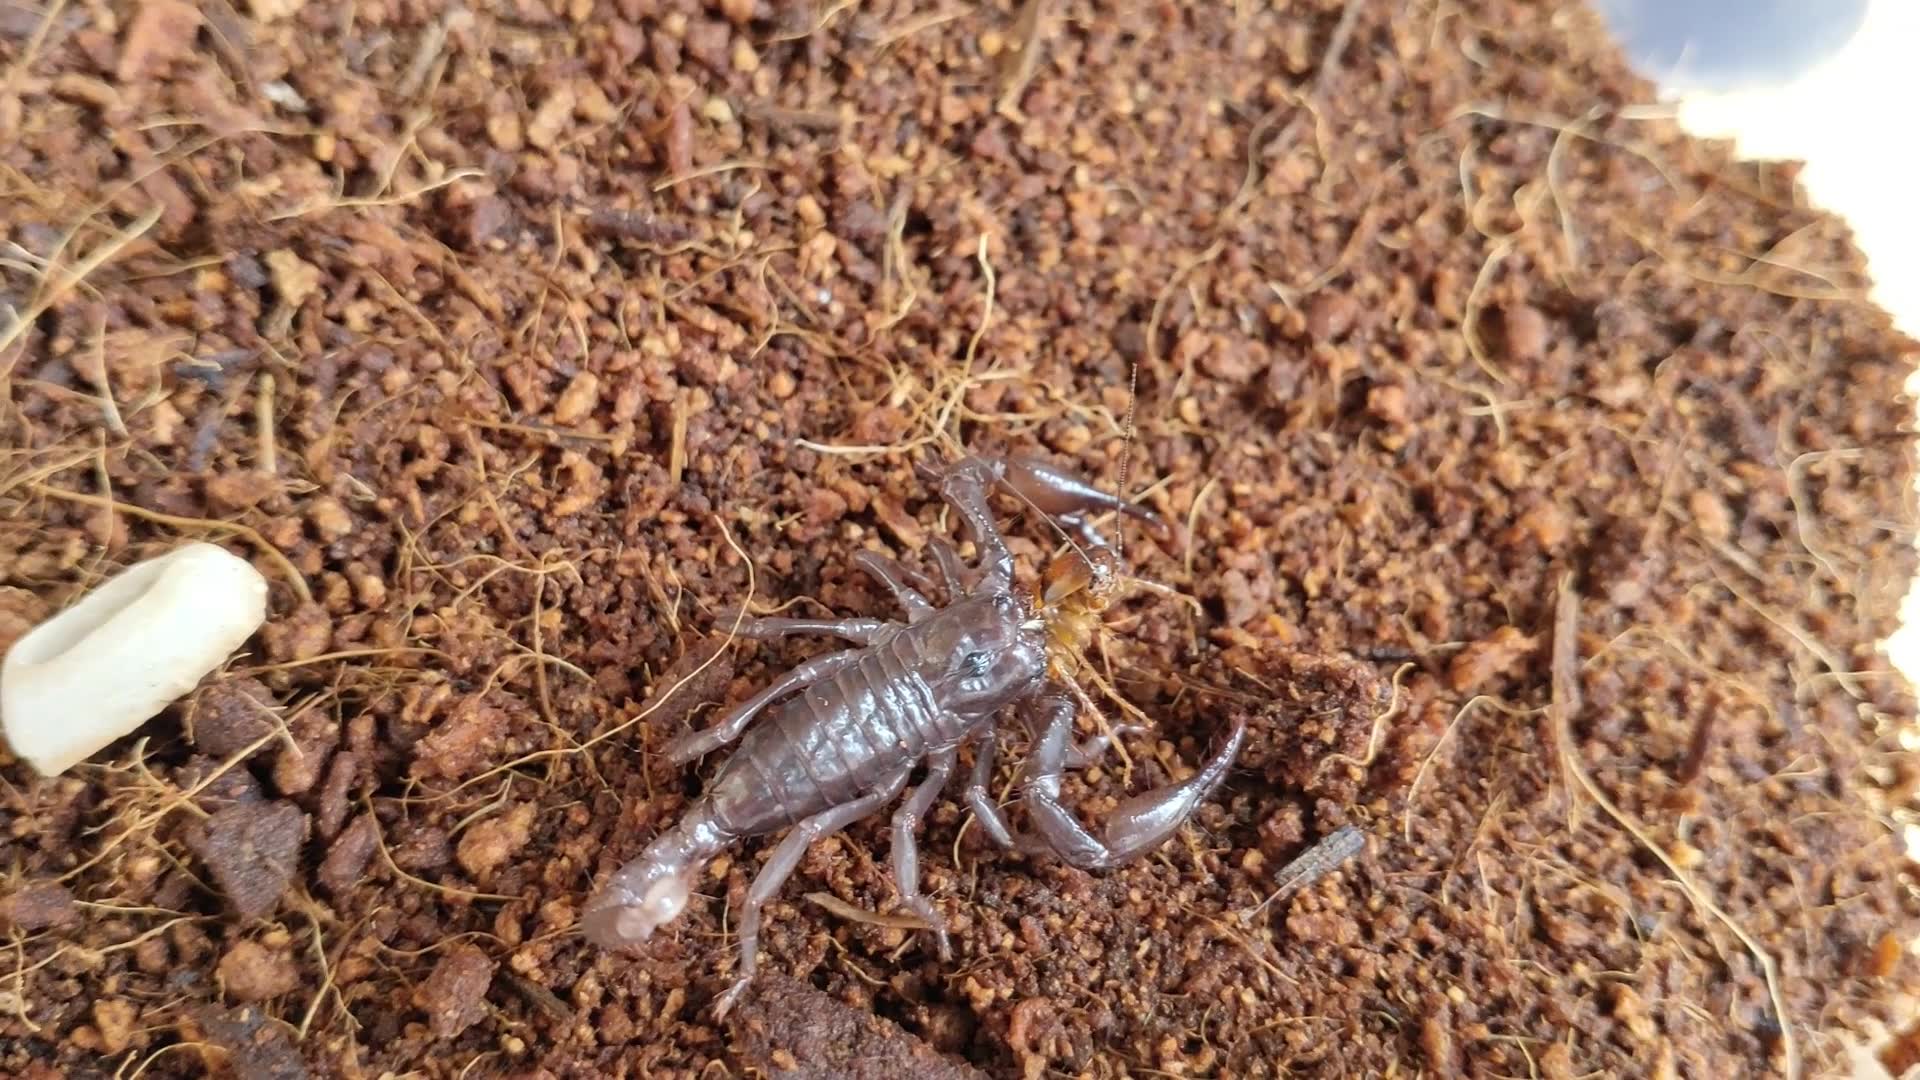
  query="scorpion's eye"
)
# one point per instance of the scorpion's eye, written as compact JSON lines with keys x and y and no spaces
{"x":975,"y":664}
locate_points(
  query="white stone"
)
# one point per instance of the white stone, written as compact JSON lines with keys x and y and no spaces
{"x":128,"y":649}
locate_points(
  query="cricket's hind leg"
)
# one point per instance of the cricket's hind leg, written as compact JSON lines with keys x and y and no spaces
{"x":1069,"y":500}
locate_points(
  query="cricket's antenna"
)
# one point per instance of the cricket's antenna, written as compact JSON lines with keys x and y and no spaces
{"x":1126,"y":452}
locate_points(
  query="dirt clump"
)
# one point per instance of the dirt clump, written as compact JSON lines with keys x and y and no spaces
{"x":792,"y":1031}
{"x":36,"y":907}
{"x":454,"y":995}
{"x":523,"y":347}
{"x":252,"y":849}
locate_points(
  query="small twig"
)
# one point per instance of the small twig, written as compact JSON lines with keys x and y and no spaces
{"x":855,"y":913}
{"x":1336,"y":45}
{"x":263,"y":419}
{"x":328,"y":205}
{"x":1323,"y":858}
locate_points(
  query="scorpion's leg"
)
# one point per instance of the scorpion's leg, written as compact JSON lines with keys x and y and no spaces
{"x":952,"y":574}
{"x":780,"y":866}
{"x":894,"y":577}
{"x":906,"y":854}
{"x":769,"y":628}
{"x":699,"y":743}
{"x":1089,"y":751}
{"x":1138,"y":825}
{"x":979,"y":798}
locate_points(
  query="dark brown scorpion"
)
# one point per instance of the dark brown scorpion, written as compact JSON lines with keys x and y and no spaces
{"x":859,"y":721}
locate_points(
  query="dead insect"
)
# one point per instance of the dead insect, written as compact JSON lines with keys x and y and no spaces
{"x":859,"y":721}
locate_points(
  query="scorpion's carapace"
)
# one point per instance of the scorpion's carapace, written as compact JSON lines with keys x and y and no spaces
{"x":849,"y":727}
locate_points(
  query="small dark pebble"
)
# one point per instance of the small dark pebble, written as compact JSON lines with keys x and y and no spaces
{"x":791,"y":1031}
{"x":347,"y":859}
{"x":455,"y":995}
{"x":230,"y":716}
{"x":252,"y":850}
{"x":254,"y":1046}
{"x":37,"y":907}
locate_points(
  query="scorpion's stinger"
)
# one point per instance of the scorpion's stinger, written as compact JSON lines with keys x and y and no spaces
{"x":653,"y":889}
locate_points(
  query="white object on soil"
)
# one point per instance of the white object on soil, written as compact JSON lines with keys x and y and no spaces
{"x":111,"y":662}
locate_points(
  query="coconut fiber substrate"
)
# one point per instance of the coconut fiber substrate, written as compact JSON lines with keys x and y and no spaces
{"x":1538,"y":482}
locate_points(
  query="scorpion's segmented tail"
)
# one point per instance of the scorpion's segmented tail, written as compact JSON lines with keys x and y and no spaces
{"x":653,"y":889}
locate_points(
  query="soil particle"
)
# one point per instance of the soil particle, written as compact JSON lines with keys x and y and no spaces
{"x":1330,"y":315}
{"x":299,"y":765}
{"x":231,"y":715}
{"x":695,"y":678}
{"x":252,"y":850}
{"x":329,"y":519}
{"x":1313,"y":734}
{"x":302,"y":634}
{"x":792,"y":1031}
{"x":250,"y":972}
{"x":454,"y":996}
{"x":463,"y":743}
{"x":248,"y":1042}
{"x":114,"y":1019}
{"x":1525,"y":332}
{"x":218,"y":788}
{"x":1498,"y":655}
{"x":334,"y":793}
{"x":32,"y":908}
{"x":160,"y":32}
{"x":348,"y":856}
{"x":425,"y":848}
{"x":487,"y":845}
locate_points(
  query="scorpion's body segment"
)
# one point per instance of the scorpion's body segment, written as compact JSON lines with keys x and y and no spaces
{"x":848,"y":728}
{"x":898,"y":699}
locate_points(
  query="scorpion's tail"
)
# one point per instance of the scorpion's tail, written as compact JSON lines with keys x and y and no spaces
{"x":653,"y":889}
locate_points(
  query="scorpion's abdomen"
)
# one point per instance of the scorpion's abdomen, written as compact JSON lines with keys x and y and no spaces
{"x":833,"y":742}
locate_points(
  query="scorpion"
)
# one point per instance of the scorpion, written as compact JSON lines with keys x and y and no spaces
{"x":850,"y":727}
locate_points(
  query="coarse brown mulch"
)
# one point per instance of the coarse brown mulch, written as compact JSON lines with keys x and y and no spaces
{"x":1541,"y":482}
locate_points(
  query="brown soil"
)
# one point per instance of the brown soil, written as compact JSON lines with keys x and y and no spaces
{"x":1543,"y":482}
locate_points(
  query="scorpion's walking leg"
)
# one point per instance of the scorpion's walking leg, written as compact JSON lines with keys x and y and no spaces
{"x":979,"y":798}
{"x":780,"y":866}
{"x":952,"y":574}
{"x":698,"y":743}
{"x":1138,"y":825}
{"x":1089,"y":751}
{"x":906,"y":853}
{"x":769,"y":628}
{"x":895,"y":577}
